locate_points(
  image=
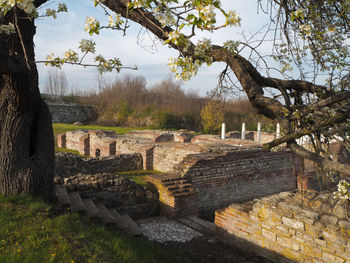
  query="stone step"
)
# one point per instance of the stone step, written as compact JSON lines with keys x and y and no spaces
{"x":194,"y":225}
{"x":132,"y":227}
{"x":206,"y":224}
{"x":106,"y":216}
{"x":119,"y":220}
{"x":91,"y":209}
{"x":179,"y":186}
{"x":77,"y":204}
{"x":62,"y":195}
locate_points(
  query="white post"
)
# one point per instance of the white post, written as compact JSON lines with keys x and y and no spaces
{"x":243,"y":131}
{"x":223,"y":128}
{"x":278,"y":131}
{"x":258,"y":136}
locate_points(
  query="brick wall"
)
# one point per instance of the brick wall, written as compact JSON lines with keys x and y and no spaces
{"x":236,"y":176}
{"x":167,"y":156}
{"x":67,"y":164}
{"x":79,"y":141}
{"x":291,"y":227}
{"x":102,"y":144}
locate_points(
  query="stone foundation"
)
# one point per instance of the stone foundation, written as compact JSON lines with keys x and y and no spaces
{"x":68,"y":164}
{"x":291,"y":227}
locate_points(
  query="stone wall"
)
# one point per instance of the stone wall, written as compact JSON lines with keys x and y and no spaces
{"x":291,"y":227}
{"x":68,"y":164}
{"x":237,"y":176}
{"x":114,"y":191}
{"x":70,"y":113}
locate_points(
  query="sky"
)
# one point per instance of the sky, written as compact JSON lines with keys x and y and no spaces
{"x":58,"y":35}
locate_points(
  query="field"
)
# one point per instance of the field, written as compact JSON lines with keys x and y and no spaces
{"x":32,"y":231}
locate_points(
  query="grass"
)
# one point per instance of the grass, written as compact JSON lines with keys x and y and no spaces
{"x":30,"y":232}
{"x":138,"y":176}
{"x":63,"y":127}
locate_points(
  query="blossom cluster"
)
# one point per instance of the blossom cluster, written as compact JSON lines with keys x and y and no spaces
{"x":165,"y":17}
{"x":187,"y":67}
{"x":138,"y":3}
{"x":115,"y":21}
{"x":231,"y":46}
{"x":92,"y":25}
{"x":233,"y":18}
{"x":26,"y":5}
{"x":105,"y":65}
{"x":7,"y":29}
{"x":305,"y":29}
{"x":201,"y":50}
{"x":207,"y":15}
{"x":343,"y":191}
{"x":87,"y":46}
{"x":70,"y":56}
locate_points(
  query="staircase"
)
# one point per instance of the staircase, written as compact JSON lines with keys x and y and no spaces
{"x":99,"y":211}
{"x":177,"y":196}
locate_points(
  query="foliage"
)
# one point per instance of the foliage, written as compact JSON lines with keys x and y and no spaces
{"x":31,"y":231}
{"x":212,"y":116}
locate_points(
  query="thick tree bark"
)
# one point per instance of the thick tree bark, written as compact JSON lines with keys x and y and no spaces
{"x":26,"y":137}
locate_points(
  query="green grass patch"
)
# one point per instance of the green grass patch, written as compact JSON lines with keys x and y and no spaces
{"x":29,"y":232}
{"x":138,"y":176}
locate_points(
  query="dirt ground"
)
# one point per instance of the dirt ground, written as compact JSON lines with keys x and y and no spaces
{"x":210,"y":250}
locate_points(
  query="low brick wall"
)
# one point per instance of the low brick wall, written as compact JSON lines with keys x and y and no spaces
{"x":237,"y":176}
{"x":68,"y":164}
{"x":291,"y":227}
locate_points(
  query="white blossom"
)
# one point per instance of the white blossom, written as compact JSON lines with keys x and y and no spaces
{"x":26,"y":5}
{"x":115,"y":21}
{"x":7,"y":29}
{"x":233,"y":18}
{"x":343,"y":191}
{"x":305,"y":29}
{"x":231,"y":46}
{"x":92,"y":25}
{"x":70,"y":56}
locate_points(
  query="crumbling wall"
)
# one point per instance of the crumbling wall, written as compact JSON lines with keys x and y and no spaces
{"x":79,"y":141}
{"x":70,"y":113}
{"x":237,"y":176}
{"x":68,"y":164}
{"x":102,"y":143}
{"x":291,"y":227}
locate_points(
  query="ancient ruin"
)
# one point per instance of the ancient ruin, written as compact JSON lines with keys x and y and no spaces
{"x":213,"y":177}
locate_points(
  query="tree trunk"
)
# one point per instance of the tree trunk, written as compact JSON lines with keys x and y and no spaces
{"x":26,"y":137}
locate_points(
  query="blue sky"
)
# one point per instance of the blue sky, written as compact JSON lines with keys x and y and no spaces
{"x":58,"y":35}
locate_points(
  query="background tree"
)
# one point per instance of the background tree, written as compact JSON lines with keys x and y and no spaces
{"x":302,"y":107}
{"x":56,"y":82}
{"x":212,"y":116}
